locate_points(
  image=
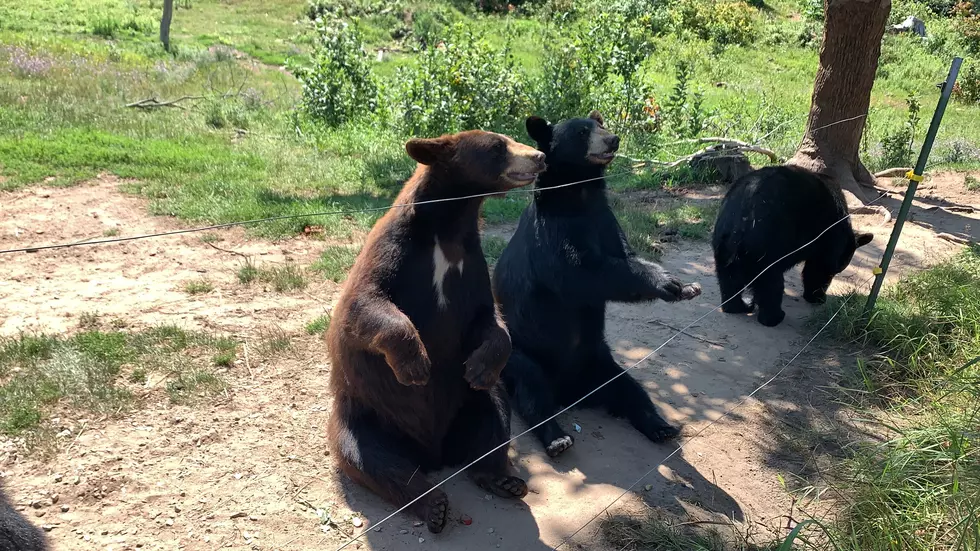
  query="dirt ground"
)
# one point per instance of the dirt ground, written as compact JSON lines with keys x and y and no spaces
{"x":250,"y":469}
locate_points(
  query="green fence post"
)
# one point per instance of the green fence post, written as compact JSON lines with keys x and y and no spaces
{"x":914,"y":176}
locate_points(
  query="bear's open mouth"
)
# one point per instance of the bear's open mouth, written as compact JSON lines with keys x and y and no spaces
{"x":603,"y":158}
{"x":522,"y":176}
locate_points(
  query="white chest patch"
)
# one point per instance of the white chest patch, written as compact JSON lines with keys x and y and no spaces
{"x":440,"y":269}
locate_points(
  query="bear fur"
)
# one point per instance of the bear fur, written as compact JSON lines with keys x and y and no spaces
{"x":567,"y":259}
{"x":16,"y":532}
{"x":416,"y":342}
{"x":767,"y":215}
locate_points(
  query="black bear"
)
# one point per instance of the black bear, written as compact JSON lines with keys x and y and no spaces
{"x":16,"y":533}
{"x":416,"y":342}
{"x":567,"y":259}
{"x":768,"y":214}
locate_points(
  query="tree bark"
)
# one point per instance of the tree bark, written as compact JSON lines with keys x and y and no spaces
{"x":168,"y":14}
{"x":853,"y":30}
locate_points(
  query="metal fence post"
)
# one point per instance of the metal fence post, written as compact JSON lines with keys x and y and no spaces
{"x":914,"y":176}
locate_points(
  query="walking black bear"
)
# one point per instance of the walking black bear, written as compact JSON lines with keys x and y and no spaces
{"x":16,"y":532}
{"x":569,"y":257}
{"x":768,"y":214}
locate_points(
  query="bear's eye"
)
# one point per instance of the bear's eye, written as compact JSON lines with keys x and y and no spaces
{"x":500,"y":148}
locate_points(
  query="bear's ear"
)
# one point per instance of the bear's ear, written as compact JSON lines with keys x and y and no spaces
{"x":429,"y":151}
{"x":539,"y":130}
{"x":863,"y":238}
{"x":597,"y":117}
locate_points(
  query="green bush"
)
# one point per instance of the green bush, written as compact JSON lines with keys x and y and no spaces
{"x":338,"y":85}
{"x":724,"y":22}
{"x":967,"y":87}
{"x":966,"y":23}
{"x":897,"y":145}
{"x":106,"y":26}
{"x":461,"y":83}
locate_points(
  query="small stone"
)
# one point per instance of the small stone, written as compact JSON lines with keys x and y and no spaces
{"x":421,"y":540}
{"x":177,"y":508}
{"x":169,"y":522}
{"x":403,"y":532}
{"x":490,"y":530}
{"x":417,"y":524}
{"x":357,"y":522}
{"x":64,"y":508}
{"x":466,"y":520}
{"x":378,"y":529}
{"x":104,"y":533}
{"x":39,"y":513}
{"x":36,"y":504}
{"x":47,"y":527}
{"x":57,"y":478}
{"x":87,"y":537}
{"x":55,"y":498}
{"x":76,"y":481}
{"x":577,"y":427}
{"x":648,"y":487}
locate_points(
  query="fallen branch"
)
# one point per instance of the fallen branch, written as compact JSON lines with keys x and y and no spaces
{"x":153,"y":103}
{"x":892,"y":173}
{"x":954,"y":238}
{"x":873,"y":209}
{"x":692,"y":335}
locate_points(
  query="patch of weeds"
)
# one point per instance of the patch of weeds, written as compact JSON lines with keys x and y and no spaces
{"x":199,"y":287}
{"x":504,"y":209}
{"x":105,"y":26}
{"x":972,"y":183}
{"x":210,"y":238}
{"x":110,"y":232}
{"x":319,"y":325}
{"x":640,"y":228}
{"x":88,"y":321}
{"x":287,"y":277}
{"x":247,"y":273}
{"x":335,"y":261}
{"x":273,"y":341}
{"x":493,"y":247}
{"x":689,"y":221}
{"x":650,"y":532}
{"x":223,"y":359}
{"x":138,"y":376}
{"x":188,"y":388}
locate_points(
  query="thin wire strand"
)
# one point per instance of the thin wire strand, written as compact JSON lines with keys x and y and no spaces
{"x":728,"y":412}
{"x":293,"y":216}
{"x":593,"y":391}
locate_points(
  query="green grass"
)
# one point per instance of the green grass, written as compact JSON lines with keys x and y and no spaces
{"x":88,"y":371}
{"x":319,"y":325}
{"x":335,"y":261}
{"x":493,"y":247}
{"x":972,"y":183}
{"x":198,"y":287}
{"x":918,"y":486}
{"x":650,"y":532}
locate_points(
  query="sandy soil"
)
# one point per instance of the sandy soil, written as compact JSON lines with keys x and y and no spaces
{"x":248,"y":470}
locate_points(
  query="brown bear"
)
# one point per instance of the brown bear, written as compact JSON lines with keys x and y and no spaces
{"x":416,"y":342}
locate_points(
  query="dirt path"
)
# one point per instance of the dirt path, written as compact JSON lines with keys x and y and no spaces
{"x":248,"y":470}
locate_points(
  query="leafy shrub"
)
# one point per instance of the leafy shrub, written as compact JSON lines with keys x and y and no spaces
{"x":811,"y":10}
{"x":337,"y":84}
{"x":966,"y":22}
{"x":684,"y":109}
{"x":106,"y":26}
{"x":461,"y":83}
{"x":721,"y":21}
{"x":898,"y":144}
{"x":967,"y":88}
{"x":564,"y":88}
{"x":327,"y":9}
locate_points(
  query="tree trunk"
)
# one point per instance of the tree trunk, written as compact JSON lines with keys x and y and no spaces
{"x":852,"y":35}
{"x":168,"y":15}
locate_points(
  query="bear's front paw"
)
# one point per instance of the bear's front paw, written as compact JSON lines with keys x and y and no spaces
{"x":412,"y":371}
{"x":480,"y":375}
{"x":691,"y":290}
{"x":669,"y":288}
